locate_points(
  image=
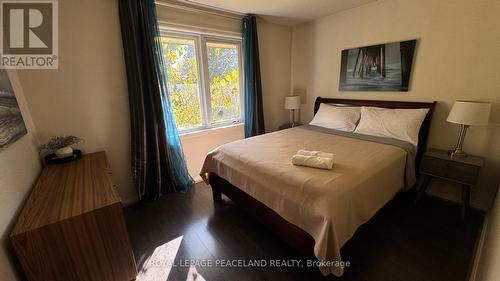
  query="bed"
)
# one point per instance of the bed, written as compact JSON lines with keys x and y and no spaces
{"x":315,"y":211}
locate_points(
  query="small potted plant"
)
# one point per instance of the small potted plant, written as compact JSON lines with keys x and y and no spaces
{"x":61,"y":145}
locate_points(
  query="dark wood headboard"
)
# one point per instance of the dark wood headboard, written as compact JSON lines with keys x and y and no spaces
{"x":424,"y":129}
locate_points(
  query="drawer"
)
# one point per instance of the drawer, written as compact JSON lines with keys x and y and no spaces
{"x":455,"y":171}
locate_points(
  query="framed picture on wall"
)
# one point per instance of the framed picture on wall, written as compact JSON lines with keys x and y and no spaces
{"x":384,"y":67}
{"x":11,"y":121}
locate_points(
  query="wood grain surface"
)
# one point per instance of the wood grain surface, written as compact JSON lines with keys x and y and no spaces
{"x":67,"y":190}
{"x":72,"y":225}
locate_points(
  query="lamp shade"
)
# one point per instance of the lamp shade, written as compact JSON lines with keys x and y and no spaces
{"x":470,"y":113}
{"x":292,"y":102}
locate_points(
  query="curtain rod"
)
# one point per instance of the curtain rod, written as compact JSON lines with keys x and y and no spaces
{"x":201,"y":8}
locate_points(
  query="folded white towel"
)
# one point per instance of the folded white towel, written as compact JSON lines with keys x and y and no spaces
{"x":315,"y":153}
{"x":313,"y":161}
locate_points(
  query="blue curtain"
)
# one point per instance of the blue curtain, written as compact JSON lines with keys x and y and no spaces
{"x":254,"y":113}
{"x":158,"y":164}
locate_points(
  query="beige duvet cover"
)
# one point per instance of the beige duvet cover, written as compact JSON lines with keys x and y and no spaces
{"x":328,"y":204}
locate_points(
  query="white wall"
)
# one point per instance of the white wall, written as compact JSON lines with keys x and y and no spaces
{"x":275,"y":66}
{"x":20,"y":166}
{"x":196,"y":145}
{"x":490,"y":258}
{"x":87,"y":96}
{"x":456,"y":58}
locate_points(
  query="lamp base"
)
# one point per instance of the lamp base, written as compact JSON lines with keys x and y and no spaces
{"x":457,"y":153}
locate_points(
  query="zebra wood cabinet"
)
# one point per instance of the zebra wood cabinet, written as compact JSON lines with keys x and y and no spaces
{"x":72,"y":225}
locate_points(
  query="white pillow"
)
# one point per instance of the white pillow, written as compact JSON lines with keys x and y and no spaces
{"x":402,"y":124}
{"x":337,"y":117}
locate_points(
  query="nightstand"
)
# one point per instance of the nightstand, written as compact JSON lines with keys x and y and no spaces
{"x":439,"y":164}
{"x":287,"y":126}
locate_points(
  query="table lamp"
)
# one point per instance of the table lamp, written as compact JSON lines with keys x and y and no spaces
{"x":292,"y":103}
{"x":467,"y":113}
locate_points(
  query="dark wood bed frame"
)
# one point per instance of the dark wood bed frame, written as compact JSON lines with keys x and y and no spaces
{"x":290,"y":233}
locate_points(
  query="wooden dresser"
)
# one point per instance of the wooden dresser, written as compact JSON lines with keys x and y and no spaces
{"x":72,"y":225}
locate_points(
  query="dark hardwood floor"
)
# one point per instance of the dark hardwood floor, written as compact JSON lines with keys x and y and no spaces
{"x":177,"y":237}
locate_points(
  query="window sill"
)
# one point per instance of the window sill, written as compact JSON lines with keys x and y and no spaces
{"x":208,"y":130}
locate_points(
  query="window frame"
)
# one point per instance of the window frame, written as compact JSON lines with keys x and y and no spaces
{"x":201,"y":41}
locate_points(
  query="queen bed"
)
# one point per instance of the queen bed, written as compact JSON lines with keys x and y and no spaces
{"x":317,"y":211}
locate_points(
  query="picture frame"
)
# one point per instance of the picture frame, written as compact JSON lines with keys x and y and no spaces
{"x":382,"y":67}
{"x":12,"y":126}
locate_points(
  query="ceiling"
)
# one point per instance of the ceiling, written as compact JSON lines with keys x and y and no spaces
{"x":290,"y":12}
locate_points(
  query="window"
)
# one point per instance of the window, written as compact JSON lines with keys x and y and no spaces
{"x":203,"y":79}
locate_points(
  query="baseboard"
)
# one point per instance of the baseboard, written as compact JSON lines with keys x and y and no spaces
{"x":197,"y":179}
{"x":478,"y":250}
